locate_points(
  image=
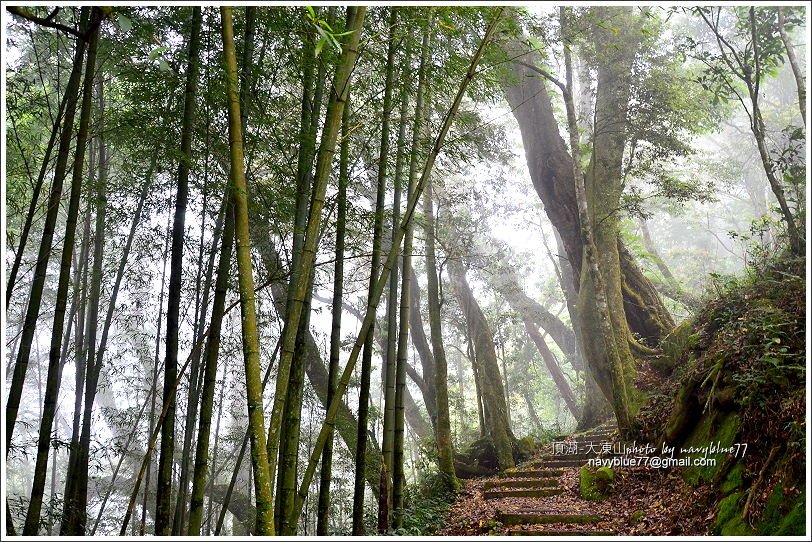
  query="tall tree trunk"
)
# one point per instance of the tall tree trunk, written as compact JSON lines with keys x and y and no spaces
{"x":201,"y":465}
{"x":445,"y":446}
{"x":46,"y":242}
{"x":166,"y":459}
{"x":390,"y":361}
{"x":159,"y":321}
{"x":550,"y":166}
{"x":493,"y":392}
{"x":95,"y":356}
{"x":197,"y":377}
{"x":256,"y":418}
{"x":366,"y":324}
{"x":398,"y":474}
{"x":355,"y":20}
{"x":323,"y":519}
{"x":605,"y":332}
{"x":377,"y":238}
{"x":793,"y":62}
{"x":75,"y":518}
{"x":312,"y":94}
{"x":80,"y":362}
{"x":55,"y":365}
{"x":796,"y":241}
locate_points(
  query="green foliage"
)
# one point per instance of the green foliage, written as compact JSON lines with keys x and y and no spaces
{"x":425,"y":506}
{"x":325,"y":32}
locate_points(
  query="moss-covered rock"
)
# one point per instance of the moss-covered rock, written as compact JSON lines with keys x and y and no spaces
{"x":596,"y":484}
{"x":524,"y":448}
{"x":637,"y":516}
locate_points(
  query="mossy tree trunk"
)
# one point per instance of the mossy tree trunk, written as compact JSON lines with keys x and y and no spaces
{"x":551,"y":170}
{"x":445,"y":446}
{"x":312,"y":97}
{"x":490,"y":382}
{"x":604,"y":330}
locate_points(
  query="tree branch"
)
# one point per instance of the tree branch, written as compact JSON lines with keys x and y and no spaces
{"x":47,"y":21}
{"x":544,"y":73}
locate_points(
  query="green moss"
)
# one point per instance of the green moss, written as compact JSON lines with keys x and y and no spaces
{"x":596,"y":485}
{"x":724,"y":431}
{"x":525,"y":447}
{"x":733,"y":480}
{"x":794,"y":523}
{"x":676,"y":344}
{"x":637,"y":516}
{"x":776,"y":520}
{"x":772,"y":510}
{"x":605,"y":474}
{"x":729,"y":520}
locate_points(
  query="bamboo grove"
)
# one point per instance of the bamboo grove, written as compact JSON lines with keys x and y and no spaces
{"x":226,"y":223}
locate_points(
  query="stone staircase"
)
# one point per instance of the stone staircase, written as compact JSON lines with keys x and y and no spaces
{"x":534,"y":484}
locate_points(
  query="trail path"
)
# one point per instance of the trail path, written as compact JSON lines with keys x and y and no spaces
{"x":536,"y":497}
{"x":542,"y":497}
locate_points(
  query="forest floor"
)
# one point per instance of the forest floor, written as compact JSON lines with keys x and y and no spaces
{"x":542,"y":497}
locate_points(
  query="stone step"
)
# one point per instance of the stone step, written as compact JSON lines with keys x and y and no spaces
{"x":563,"y":463}
{"x":539,"y":518}
{"x":545,"y":532}
{"x":595,"y":433}
{"x":582,"y":454}
{"x":599,"y":437}
{"x":534,"y":493}
{"x":535,"y":473}
{"x":584,"y":440}
{"x":534,"y":483}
